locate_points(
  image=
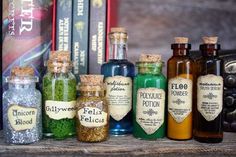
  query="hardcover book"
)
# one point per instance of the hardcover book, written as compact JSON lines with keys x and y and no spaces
{"x":97,"y":35}
{"x":80,"y":37}
{"x":26,"y":35}
{"x":63,"y":25}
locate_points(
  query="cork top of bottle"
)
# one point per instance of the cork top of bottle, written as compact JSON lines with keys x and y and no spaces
{"x":118,"y":30}
{"x":150,"y":58}
{"x":22,"y":71}
{"x":91,"y":79}
{"x":60,"y":56}
{"x":181,"y":40}
{"x":210,"y":40}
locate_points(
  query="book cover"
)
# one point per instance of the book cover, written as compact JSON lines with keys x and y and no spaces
{"x":80,"y":34}
{"x":97,"y":35}
{"x":63,"y":25}
{"x":26,"y":35}
{"x":112,"y":21}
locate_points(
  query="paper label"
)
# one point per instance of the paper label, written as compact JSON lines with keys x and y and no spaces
{"x":92,"y":117}
{"x":22,"y":118}
{"x":119,"y":96}
{"x":59,"y":109}
{"x":150,"y":109}
{"x":210,"y":96}
{"x":180,"y":98}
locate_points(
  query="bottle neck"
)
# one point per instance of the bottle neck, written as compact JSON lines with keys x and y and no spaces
{"x":92,"y":93}
{"x":28,"y":86}
{"x":118,"y":51}
{"x":149,"y":68}
{"x":180,"y":49}
{"x":210,"y":50}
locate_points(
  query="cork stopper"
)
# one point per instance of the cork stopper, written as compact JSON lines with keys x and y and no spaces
{"x":60,"y":56}
{"x":91,"y":79}
{"x":210,"y":40}
{"x":150,"y":58}
{"x":181,"y":40}
{"x":118,"y":30}
{"x":22,"y":71}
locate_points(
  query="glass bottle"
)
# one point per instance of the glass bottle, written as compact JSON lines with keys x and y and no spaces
{"x":22,"y":118}
{"x":149,"y":98}
{"x":59,"y":97}
{"x":119,"y":72}
{"x":92,"y":110}
{"x":180,"y":75}
{"x":209,"y":100}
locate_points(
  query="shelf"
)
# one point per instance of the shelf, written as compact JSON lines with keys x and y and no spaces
{"x":121,"y":146}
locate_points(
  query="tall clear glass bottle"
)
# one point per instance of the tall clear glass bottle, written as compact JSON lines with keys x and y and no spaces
{"x":119,"y":73}
{"x":180,"y":86}
{"x":209,"y":99}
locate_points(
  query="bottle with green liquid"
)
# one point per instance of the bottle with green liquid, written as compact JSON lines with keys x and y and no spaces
{"x":149,"y":98}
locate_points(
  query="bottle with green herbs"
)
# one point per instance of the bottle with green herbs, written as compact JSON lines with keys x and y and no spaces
{"x":59,"y":97}
{"x":149,"y":98}
{"x":92,"y":110}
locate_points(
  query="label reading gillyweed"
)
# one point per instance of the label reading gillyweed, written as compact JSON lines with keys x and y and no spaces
{"x":180,"y":98}
{"x":210,"y":96}
{"x":119,"y":95}
{"x":22,"y":118}
{"x":59,"y":109}
{"x":150,"y":109}
{"x":92,"y":117}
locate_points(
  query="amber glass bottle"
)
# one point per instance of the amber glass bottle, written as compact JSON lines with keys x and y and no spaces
{"x":180,"y":86}
{"x":209,"y":99}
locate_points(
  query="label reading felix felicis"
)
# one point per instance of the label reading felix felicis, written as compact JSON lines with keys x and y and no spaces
{"x":92,"y":117}
{"x":119,"y":95}
{"x":150,"y":109}
{"x":210,"y":96}
{"x":179,"y":98}
{"x":59,"y":110}
{"x":22,"y":118}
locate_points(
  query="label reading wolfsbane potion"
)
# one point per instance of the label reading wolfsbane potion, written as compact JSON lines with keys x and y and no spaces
{"x":92,"y":117}
{"x":119,"y":95}
{"x":179,"y":98}
{"x":210,"y":96}
{"x":59,"y":109}
{"x":150,"y":109}
{"x":22,"y":118}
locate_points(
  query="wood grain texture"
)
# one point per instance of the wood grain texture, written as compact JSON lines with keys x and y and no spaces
{"x":121,"y":147}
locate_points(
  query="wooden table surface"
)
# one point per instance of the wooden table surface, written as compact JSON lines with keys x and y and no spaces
{"x":121,"y":147}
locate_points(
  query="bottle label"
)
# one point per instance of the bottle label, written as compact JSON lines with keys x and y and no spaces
{"x":180,"y":98}
{"x":150,"y":109}
{"x":22,"y":118}
{"x":59,"y":109}
{"x":210,"y":96}
{"x":119,"y":96}
{"x":92,"y":117}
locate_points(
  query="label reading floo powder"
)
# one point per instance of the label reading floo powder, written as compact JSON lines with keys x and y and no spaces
{"x":92,"y":117}
{"x":119,"y":96}
{"x":180,"y":98}
{"x":22,"y":118}
{"x":210,"y":96}
{"x":150,"y":109}
{"x":59,"y":110}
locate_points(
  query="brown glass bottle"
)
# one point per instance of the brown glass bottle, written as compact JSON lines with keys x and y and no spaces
{"x":180,"y":85}
{"x":208,"y":101}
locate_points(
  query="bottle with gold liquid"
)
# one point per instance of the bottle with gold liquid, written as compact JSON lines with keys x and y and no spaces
{"x":180,"y":85}
{"x":209,"y":99}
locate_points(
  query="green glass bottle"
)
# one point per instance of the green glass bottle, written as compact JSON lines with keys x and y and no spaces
{"x":149,"y":98}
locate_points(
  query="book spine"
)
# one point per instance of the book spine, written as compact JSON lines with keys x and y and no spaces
{"x":54,"y":11}
{"x":80,"y":28}
{"x":64,"y":25}
{"x":112,"y":20}
{"x":97,"y":35}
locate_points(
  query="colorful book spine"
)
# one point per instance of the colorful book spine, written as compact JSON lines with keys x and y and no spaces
{"x":54,"y":22}
{"x":80,"y":37}
{"x":97,"y":35}
{"x":26,"y":35}
{"x":63,"y":25}
{"x":112,"y":20}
